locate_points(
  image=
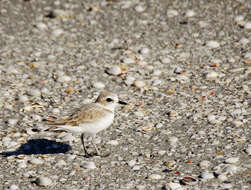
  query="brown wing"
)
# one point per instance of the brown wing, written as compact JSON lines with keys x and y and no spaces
{"x":88,"y":113}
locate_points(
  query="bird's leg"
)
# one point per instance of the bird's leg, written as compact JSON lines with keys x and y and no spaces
{"x":97,"y":151}
{"x":83,"y":143}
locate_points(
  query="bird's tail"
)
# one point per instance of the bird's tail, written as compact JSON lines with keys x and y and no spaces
{"x":54,"y":125}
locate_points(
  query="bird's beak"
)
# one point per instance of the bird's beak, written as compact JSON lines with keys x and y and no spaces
{"x":123,"y":103}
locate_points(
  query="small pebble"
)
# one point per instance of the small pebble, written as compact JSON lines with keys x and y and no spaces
{"x":226,"y":186}
{"x":222,"y":177}
{"x":71,"y":157}
{"x":29,"y":174}
{"x":60,"y":163}
{"x":136,"y":168}
{"x":12,"y":144}
{"x":144,"y":51}
{"x":203,"y":24}
{"x":173,"y":141}
{"x":248,"y":150}
{"x":159,"y":125}
{"x":55,"y":111}
{"x":61,"y":13}
{"x":64,"y":78}
{"x":36,"y":117}
{"x":28,"y":108}
{"x":247,"y":55}
{"x":139,"y":114}
{"x":52,"y":58}
{"x":37,"y":54}
{"x":13,"y":187}
{"x":129,"y":80}
{"x":42,"y":26}
{"x":12,"y":121}
{"x":204,"y":164}
{"x":45,"y":90}
{"x":237,"y":70}
{"x":232,"y":169}
{"x":6,"y":141}
{"x":247,"y":25}
{"x":188,"y":180}
{"x":172,"y":13}
{"x":232,"y":160}
{"x":157,"y":72}
{"x":155,"y":176}
{"x":212,"y":76}
{"x":72,"y":173}
{"x":207,"y":175}
{"x":248,"y":60}
{"x":177,"y":70}
{"x":216,"y":61}
{"x":69,"y":137}
{"x":244,"y":41}
{"x":231,"y":60}
{"x":89,"y":165}
{"x":190,"y":13}
{"x":16,"y":134}
{"x":128,"y":60}
{"x":36,"y":161}
{"x":183,"y":78}
{"x":212,"y":119}
{"x":57,"y":32}
{"x":115,"y":70}
{"x":113,"y":142}
{"x":23,"y":98}
{"x":131,"y":163}
{"x":98,"y":85}
{"x":161,"y":152}
{"x":184,"y":56}
{"x":142,"y":63}
{"x":34,"y":92}
{"x":239,"y":19}
{"x":139,"y":83}
{"x":22,"y":164}
{"x":166,"y":60}
{"x":141,"y":187}
{"x":174,"y":186}
{"x":140,"y":8}
{"x":149,"y":67}
{"x":12,"y":70}
{"x":156,"y":82}
{"x":213,"y":44}
{"x":43,"y":181}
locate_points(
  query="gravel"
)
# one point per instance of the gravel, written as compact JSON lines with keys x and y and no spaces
{"x":182,"y":66}
{"x":115,"y":70}
{"x":43,"y":181}
{"x":89,"y":165}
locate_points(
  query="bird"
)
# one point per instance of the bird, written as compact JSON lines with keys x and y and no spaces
{"x":90,"y":119}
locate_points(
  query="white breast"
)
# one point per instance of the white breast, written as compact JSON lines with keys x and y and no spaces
{"x":93,"y":128}
{"x":90,"y":128}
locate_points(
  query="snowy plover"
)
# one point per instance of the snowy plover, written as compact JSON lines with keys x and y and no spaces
{"x":90,"y":119}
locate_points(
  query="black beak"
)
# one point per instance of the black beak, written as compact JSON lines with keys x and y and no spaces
{"x":123,"y":103}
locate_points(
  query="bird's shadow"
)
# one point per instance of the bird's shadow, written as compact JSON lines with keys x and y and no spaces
{"x":39,"y":146}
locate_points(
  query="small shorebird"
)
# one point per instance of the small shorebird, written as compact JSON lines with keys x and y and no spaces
{"x":90,"y":118}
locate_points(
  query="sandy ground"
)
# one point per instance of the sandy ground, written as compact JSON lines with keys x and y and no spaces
{"x":182,"y":66}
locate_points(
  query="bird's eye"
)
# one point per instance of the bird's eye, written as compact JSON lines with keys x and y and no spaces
{"x":109,"y":99}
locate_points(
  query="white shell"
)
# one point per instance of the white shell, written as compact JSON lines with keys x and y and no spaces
{"x":89,"y":165}
{"x":213,"y":44}
{"x":155,"y":176}
{"x":43,"y":181}
{"x":232,"y":160}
